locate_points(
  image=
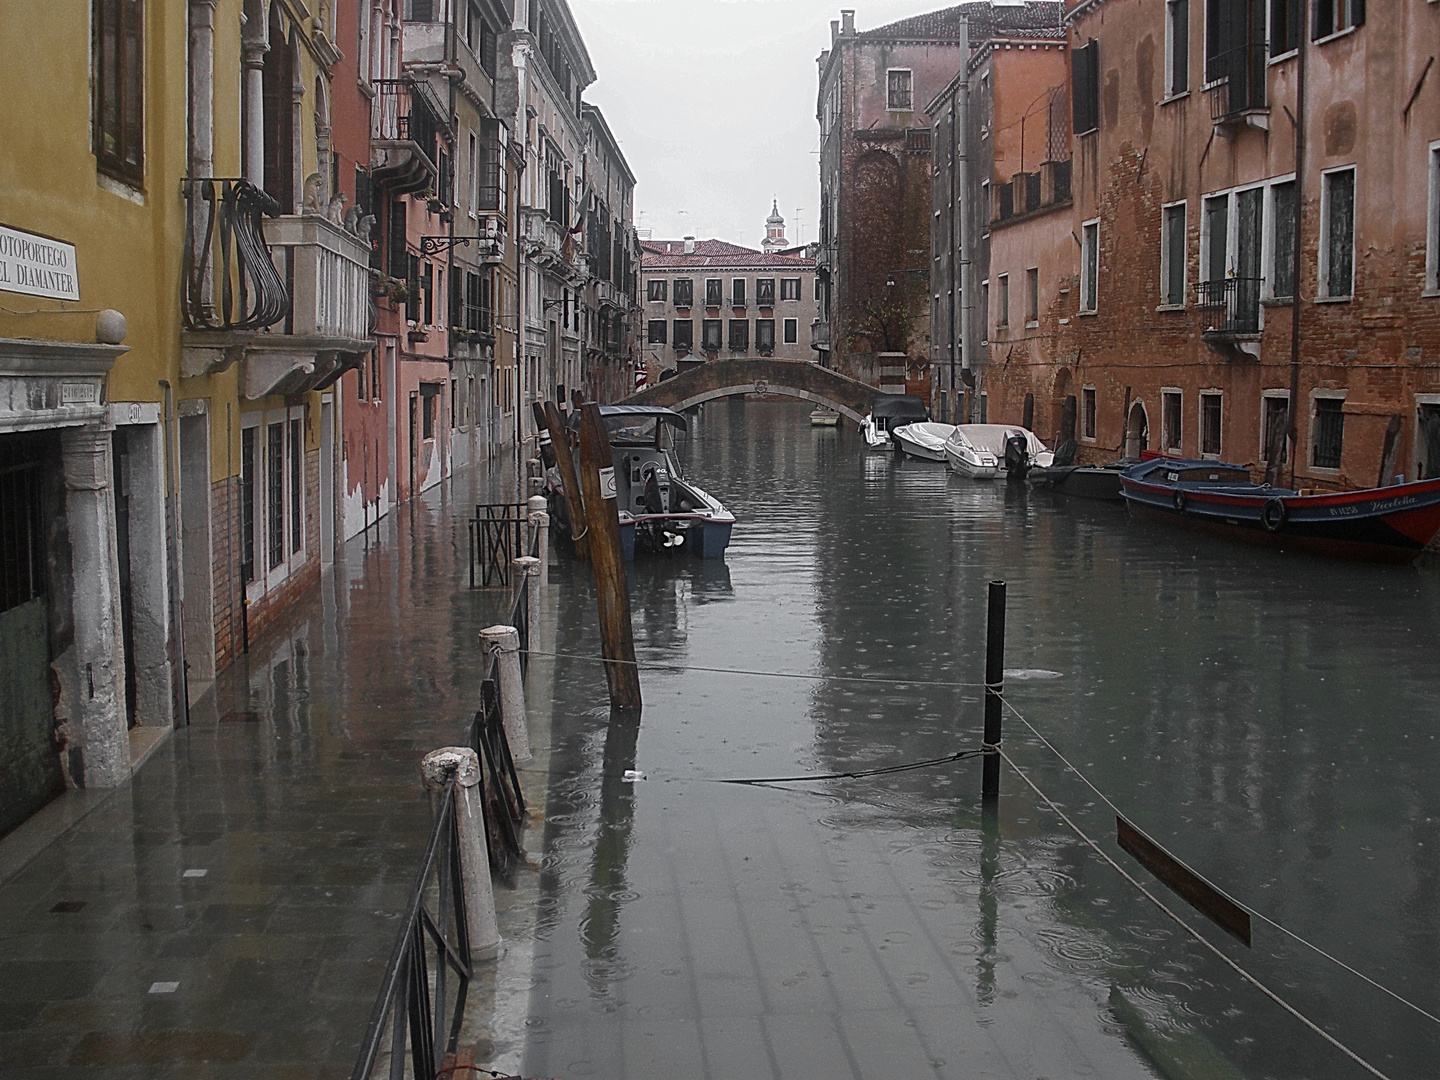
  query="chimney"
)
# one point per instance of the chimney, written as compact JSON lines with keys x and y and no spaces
{"x":847,"y":22}
{"x":834,"y":30}
{"x":689,"y":245}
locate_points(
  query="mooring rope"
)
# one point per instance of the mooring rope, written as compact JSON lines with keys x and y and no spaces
{"x":959,"y":755}
{"x":665,"y":666}
{"x":1244,"y":974}
{"x":1257,"y":914}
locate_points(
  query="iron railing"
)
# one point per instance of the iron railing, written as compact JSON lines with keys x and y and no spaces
{"x":423,"y":1023}
{"x":230,"y":280}
{"x":1240,"y":76}
{"x":503,"y":801}
{"x":1239,"y":300}
{"x":497,"y":538}
{"x":402,"y":111}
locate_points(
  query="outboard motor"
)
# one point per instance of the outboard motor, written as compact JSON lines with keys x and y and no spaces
{"x":657,"y":487}
{"x":1017,"y":456}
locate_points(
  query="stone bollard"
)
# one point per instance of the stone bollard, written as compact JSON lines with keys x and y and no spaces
{"x":537,"y":485}
{"x":462,"y":762}
{"x":504,"y":642}
{"x":540,"y":527}
{"x":531,"y":568}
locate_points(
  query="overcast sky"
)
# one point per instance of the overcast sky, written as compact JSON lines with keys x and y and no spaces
{"x":713,"y":103}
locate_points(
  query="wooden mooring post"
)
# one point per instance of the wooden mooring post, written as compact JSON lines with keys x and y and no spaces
{"x":574,"y":495}
{"x":994,"y":688}
{"x":602,"y":516}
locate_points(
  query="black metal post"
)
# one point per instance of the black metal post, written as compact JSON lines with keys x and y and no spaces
{"x":994,"y":687}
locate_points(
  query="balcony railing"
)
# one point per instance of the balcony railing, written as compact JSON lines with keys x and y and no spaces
{"x":403,"y":117}
{"x":328,"y":277}
{"x":231,"y":284}
{"x":1240,"y":83}
{"x":1232,"y":306}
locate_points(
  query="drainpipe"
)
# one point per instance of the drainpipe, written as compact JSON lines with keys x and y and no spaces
{"x":170,"y":431}
{"x":962,"y":168}
{"x":1299,"y":219}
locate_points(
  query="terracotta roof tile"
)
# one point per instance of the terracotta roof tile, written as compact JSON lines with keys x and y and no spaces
{"x":1037,"y":18}
{"x":670,"y":255}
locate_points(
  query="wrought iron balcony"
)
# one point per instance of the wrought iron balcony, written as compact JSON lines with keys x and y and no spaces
{"x":1231,"y":310}
{"x":405,"y":135}
{"x":231,"y":284}
{"x":1238,"y":98}
{"x":285,"y":296}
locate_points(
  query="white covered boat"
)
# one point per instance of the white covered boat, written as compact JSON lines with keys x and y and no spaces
{"x":888,"y":412}
{"x":925,"y":440}
{"x":985,"y":451}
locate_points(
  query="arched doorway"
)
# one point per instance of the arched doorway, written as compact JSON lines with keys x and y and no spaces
{"x":1137,"y":430}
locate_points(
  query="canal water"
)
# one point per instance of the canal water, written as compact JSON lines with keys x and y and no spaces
{"x":1270,"y":718}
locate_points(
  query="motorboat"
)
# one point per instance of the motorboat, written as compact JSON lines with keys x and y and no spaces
{"x":1385,"y":524}
{"x":925,"y":440}
{"x":1082,"y":481}
{"x":887,"y":412}
{"x":824,"y":417}
{"x":986,"y":451}
{"x":660,"y":511}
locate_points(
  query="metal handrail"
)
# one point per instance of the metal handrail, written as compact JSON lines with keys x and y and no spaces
{"x":407,"y":1000}
{"x":230,"y":280}
{"x":1240,"y":299}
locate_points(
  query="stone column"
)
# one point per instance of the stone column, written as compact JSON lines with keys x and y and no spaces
{"x":252,"y":60}
{"x":99,"y":657}
{"x":504,"y":642}
{"x":529,"y":567}
{"x":202,"y":88}
{"x":463,"y":763}
{"x":540,"y":526}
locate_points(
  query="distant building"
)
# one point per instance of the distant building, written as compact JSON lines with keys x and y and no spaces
{"x":706,"y":299}
{"x":613,"y":251}
{"x":774,"y":231}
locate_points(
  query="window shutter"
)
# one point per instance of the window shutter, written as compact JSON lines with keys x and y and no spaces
{"x":1085,"y":84}
{"x":1357,"y":12}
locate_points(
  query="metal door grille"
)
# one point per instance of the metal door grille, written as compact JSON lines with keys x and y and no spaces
{"x":22,"y":528}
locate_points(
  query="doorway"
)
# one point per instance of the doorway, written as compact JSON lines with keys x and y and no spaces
{"x":327,"y":480}
{"x":1137,"y":431}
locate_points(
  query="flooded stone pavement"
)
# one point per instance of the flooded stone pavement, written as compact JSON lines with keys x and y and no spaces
{"x":1268,"y":717}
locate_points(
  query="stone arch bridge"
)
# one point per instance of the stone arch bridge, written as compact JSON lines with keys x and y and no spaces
{"x":789,"y":378}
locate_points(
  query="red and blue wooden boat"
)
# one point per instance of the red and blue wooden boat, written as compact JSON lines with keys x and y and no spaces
{"x":1389,"y":524}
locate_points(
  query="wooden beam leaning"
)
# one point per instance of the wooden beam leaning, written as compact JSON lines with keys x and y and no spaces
{"x":1184,"y":882}
{"x":569,"y":481}
{"x":602,"y":516}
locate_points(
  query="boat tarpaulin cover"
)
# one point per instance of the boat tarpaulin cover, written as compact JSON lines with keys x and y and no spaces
{"x":906,"y":407}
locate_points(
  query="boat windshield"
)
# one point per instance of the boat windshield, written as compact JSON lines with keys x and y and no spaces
{"x":632,"y":430}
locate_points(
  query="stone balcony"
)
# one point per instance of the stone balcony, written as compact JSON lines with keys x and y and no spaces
{"x":286,"y":297}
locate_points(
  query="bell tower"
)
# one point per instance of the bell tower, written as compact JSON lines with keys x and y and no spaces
{"x":774,"y":231}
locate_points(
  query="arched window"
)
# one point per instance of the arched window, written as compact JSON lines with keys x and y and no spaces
{"x":279,"y":104}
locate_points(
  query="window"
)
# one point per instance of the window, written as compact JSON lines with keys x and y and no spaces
{"x":791,"y":331}
{"x":118,"y":77}
{"x":1085,"y":87}
{"x":249,"y":470}
{"x":656,"y":335}
{"x":1282,"y":273}
{"x":1214,"y":234}
{"x":1177,"y":40}
{"x":714,"y":292}
{"x":710,"y":331}
{"x":737,"y":292}
{"x":765,"y":291}
{"x":275,"y":495}
{"x":454,"y":403}
{"x":1327,"y":432}
{"x":899,"y":90}
{"x":1275,"y":424}
{"x":655,"y":290}
{"x":739,"y":335}
{"x":1171,"y":427}
{"x":790,"y":288}
{"x":1032,"y":296}
{"x":765,"y":335}
{"x":1172,"y":255}
{"x":360,"y":381}
{"x":1337,"y":234}
{"x":1089,"y":266}
{"x":1336,"y":16}
{"x":297,"y":485}
{"x":1002,"y":315}
{"x":1210,"y":423}
{"x":1432,"y":232}
{"x":684,"y":335}
{"x":984,"y":310}
{"x":1284,"y":26}
{"x":684,"y":292}
{"x":1087,"y":413}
